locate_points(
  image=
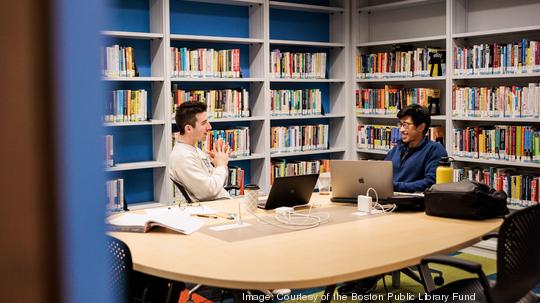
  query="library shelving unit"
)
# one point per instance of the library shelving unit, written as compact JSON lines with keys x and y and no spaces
{"x":474,"y":22}
{"x":256,"y":27}
{"x":380,"y":26}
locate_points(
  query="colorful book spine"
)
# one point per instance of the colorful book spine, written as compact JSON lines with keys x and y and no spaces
{"x":391,"y":99}
{"x":127,"y":106}
{"x":109,"y":151}
{"x":291,"y":65}
{"x":119,"y":61}
{"x":284,"y":168}
{"x":512,"y":58}
{"x":298,"y":138}
{"x":115,"y":195}
{"x":238,"y":140}
{"x":225,"y":103}
{"x":296,"y":102}
{"x":384,"y":137}
{"x":235,"y":181}
{"x":500,"y":142}
{"x":205,"y":63}
{"x":502,"y":101}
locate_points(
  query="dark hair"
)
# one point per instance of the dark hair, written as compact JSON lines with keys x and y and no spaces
{"x":185,"y":114}
{"x":419,"y":115}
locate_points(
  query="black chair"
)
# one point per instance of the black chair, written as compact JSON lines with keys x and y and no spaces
{"x":518,"y":264}
{"x":183,"y":191}
{"x":128,"y":285}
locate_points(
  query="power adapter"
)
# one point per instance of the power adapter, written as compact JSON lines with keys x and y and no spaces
{"x":364,"y":204}
{"x":284,"y":210}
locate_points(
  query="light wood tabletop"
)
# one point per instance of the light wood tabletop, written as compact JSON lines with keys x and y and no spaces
{"x":330,"y":253}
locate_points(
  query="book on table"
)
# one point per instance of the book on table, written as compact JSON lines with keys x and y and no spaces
{"x":176,"y":221}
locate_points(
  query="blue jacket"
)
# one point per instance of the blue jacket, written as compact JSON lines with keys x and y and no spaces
{"x":417,"y":170}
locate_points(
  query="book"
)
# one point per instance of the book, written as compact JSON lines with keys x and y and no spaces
{"x":172,"y":220}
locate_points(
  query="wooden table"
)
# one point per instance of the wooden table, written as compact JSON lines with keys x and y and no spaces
{"x":325,"y":255}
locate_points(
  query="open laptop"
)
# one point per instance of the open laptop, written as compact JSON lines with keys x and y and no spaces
{"x":353,"y":178}
{"x":290,"y":191}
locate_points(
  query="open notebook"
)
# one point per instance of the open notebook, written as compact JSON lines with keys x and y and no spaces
{"x":176,"y":221}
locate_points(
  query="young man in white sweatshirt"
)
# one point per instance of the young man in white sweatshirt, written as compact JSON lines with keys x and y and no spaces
{"x":203,"y":174}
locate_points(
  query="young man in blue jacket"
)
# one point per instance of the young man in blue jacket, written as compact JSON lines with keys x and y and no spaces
{"x":414,"y":162}
{"x":415,"y":157}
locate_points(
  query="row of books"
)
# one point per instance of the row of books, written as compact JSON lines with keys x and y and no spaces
{"x":205,"y":63}
{"x":502,"y":101}
{"x":298,"y":138}
{"x":391,"y":99}
{"x":384,"y":137}
{"x":499,"y":142}
{"x":286,"y":102}
{"x":109,"y":151}
{"x":284,"y":168}
{"x":223,"y":103}
{"x":403,"y":61}
{"x":115,"y":195}
{"x":238,"y":139}
{"x":118,"y":61}
{"x":522,"y":190}
{"x":235,"y":181}
{"x":484,"y":59}
{"x":297,"y":65}
{"x":127,"y":106}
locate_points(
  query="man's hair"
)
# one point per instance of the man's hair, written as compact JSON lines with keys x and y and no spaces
{"x":419,"y":115}
{"x":185,"y":114}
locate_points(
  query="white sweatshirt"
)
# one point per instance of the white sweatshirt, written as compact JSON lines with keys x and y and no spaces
{"x":192,"y":168}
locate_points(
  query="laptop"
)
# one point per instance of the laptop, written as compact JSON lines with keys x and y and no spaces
{"x":353,"y":178}
{"x":290,"y":191}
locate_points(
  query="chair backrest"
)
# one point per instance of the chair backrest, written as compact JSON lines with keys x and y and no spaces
{"x":121,"y":269}
{"x":183,"y":191}
{"x":518,"y":255}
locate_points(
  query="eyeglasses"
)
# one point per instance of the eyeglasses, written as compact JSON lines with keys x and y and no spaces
{"x":404,"y":124}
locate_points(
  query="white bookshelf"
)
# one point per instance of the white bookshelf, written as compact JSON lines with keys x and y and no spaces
{"x":139,"y":123}
{"x":372,"y":151}
{"x":498,"y":162}
{"x":307,"y":152}
{"x":134,"y":79}
{"x":306,"y":43}
{"x":404,"y":79}
{"x":131,"y":35}
{"x":301,"y":117}
{"x":176,"y":37}
{"x":239,"y":119}
{"x":308,"y":80}
{"x":496,"y":76}
{"x":396,"y":5}
{"x":497,"y":119}
{"x":393,"y":116}
{"x":217,"y":79}
{"x":137,"y":165}
{"x":305,"y":7}
{"x":403,"y":41}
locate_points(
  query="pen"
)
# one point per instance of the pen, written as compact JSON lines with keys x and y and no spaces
{"x":206,"y":216}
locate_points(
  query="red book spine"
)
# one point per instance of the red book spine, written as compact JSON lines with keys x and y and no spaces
{"x":534,"y":190}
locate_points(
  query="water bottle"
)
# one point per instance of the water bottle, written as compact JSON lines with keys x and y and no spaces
{"x":444,"y":173}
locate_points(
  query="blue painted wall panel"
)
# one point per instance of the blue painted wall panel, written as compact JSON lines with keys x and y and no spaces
{"x":138,"y":184}
{"x":127,"y":15}
{"x":297,"y":25}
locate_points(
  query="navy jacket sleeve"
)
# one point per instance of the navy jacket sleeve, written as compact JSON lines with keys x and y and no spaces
{"x":432,"y":160}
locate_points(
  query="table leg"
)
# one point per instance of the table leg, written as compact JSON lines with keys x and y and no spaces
{"x":173,"y":295}
{"x":328,"y":293}
{"x":427,"y":280}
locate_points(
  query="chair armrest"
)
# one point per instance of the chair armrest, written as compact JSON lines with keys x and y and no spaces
{"x":493,"y":234}
{"x":465,"y":265}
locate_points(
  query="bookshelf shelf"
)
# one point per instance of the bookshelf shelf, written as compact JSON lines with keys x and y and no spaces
{"x":232,"y":2}
{"x":403,"y":41}
{"x":141,"y":123}
{"x":216,"y":39}
{"x":240,"y":119}
{"x":306,"y":43}
{"x":498,"y":162}
{"x":305,"y":7}
{"x":393,"y":116}
{"x":308,"y":80}
{"x":371,"y":151}
{"x":131,"y":35}
{"x":134,"y":79}
{"x":250,"y":157}
{"x":137,"y":165}
{"x":405,"y":79}
{"x":498,"y":32}
{"x":496,"y":76}
{"x":396,"y":5}
{"x":277,"y":118}
{"x":308,"y":152}
{"x":495,"y":119}
{"x":217,"y":79}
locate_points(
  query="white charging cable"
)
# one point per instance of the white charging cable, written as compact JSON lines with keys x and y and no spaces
{"x":292,"y":219}
{"x":376,"y":205}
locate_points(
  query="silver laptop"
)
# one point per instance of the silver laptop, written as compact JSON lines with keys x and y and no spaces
{"x":353,"y":178}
